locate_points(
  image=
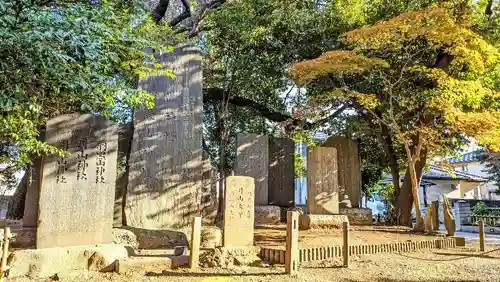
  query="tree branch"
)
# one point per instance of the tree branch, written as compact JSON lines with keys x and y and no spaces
{"x":217,"y":95}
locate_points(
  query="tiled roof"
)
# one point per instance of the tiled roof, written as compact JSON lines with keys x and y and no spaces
{"x":465,"y":158}
{"x":437,"y":173}
{"x":441,"y":174}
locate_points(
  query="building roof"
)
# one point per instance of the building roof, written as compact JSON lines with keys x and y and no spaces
{"x":438,"y":173}
{"x":468,"y":157}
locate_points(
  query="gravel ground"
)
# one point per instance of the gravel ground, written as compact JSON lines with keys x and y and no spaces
{"x":461,"y":264}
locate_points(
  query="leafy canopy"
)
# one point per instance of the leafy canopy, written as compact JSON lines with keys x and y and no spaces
{"x":70,"y":57}
{"x":424,"y":74}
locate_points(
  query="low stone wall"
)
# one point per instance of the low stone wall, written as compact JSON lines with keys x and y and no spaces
{"x":358,"y":216}
{"x":321,"y":221}
{"x":277,"y":255}
{"x":475,"y":229}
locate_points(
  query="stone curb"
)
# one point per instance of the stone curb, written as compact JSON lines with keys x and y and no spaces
{"x":277,"y":256}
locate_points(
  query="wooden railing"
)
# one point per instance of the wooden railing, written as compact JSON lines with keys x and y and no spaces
{"x":490,"y":220}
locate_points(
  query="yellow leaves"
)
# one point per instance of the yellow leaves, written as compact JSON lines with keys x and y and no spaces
{"x":483,"y":126}
{"x":367,"y":100}
{"x":334,"y":62}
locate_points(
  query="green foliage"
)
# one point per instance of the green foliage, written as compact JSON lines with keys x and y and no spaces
{"x":491,"y":162}
{"x":480,"y":209}
{"x":300,"y":167}
{"x":70,"y":57}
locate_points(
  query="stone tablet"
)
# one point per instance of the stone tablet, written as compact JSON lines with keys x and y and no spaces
{"x":239,"y":211}
{"x":322,"y":181}
{"x":349,"y":168}
{"x":252,"y":159}
{"x":166,"y":156}
{"x":78,"y":191}
{"x":281,"y":172}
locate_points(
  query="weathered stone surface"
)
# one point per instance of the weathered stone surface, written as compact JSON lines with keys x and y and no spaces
{"x":159,"y":239}
{"x":281,"y":172}
{"x":436,"y":223}
{"x":459,"y":241}
{"x":77,"y":193}
{"x":429,"y":219}
{"x":449,"y":221}
{"x":358,"y":216}
{"x":125,"y":237}
{"x":125,"y":134}
{"x":33,"y":181}
{"x":43,"y":263}
{"x":239,"y":211}
{"x":211,"y":237}
{"x":195,"y":242}
{"x":228,"y":257}
{"x":252,"y":159}
{"x":349,"y":168}
{"x":267,"y":215}
{"x":322,"y":181}
{"x":165,"y":162}
{"x":315,"y":221}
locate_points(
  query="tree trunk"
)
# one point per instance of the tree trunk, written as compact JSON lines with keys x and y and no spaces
{"x":220,"y":130}
{"x":415,"y":185}
{"x":405,"y":198}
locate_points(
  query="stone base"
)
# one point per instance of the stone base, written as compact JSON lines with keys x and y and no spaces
{"x":228,"y":257}
{"x":159,"y":238}
{"x":43,"y":263}
{"x":267,"y":215}
{"x":320,"y":221}
{"x":211,"y":237}
{"x":358,"y":216}
{"x":459,"y":241}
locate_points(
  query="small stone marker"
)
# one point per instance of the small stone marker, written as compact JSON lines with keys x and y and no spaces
{"x":435,"y":206}
{"x":481,"y":236}
{"x":292,"y":243}
{"x":239,"y":211}
{"x":77,"y":193}
{"x":194,"y":255}
{"x":345,"y":247}
{"x":322,"y":181}
{"x":252,"y":159}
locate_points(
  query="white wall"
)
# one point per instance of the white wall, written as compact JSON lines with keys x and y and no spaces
{"x":487,"y":190}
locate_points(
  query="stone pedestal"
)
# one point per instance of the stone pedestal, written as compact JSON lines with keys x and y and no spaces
{"x":267,"y":215}
{"x":315,"y":221}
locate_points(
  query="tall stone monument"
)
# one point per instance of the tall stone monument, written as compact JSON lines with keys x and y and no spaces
{"x":166,"y":156}
{"x":349,"y":168}
{"x":281,"y":172}
{"x":239,"y":211}
{"x":322,"y":181}
{"x":252,"y":159}
{"x":76,"y":193}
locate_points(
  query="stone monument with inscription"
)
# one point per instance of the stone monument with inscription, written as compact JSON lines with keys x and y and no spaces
{"x":76,"y":192}
{"x":281,"y":172}
{"x":322,"y":181}
{"x":239,"y":211}
{"x":349,"y":169}
{"x":252,"y":159}
{"x":165,"y":171}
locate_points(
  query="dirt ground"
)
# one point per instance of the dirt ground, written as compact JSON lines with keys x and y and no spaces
{"x":460,"y":265}
{"x":276,"y":236}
